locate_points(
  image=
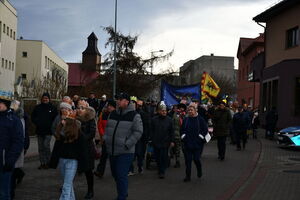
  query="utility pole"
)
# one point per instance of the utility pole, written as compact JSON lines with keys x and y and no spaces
{"x":115,"y":51}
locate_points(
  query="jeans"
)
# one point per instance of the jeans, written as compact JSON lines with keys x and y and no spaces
{"x":68,"y":168}
{"x":44,"y":148}
{"x":119,"y":168}
{"x":162,"y":159}
{"x":5,"y":185}
{"x":189,"y":156}
{"x":221,"y":146}
{"x":242,"y":135}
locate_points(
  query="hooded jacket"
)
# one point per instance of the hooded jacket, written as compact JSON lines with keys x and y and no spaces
{"x":124,"y":128}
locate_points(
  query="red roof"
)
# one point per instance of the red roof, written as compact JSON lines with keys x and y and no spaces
{"x":247,"y":43}
{"x":80,"y":77}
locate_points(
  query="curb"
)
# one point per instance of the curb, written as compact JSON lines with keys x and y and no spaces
{"x":242,"y":180}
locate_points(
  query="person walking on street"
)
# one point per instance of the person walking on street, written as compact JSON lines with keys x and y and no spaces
{"x":93,"y":102}
{"x":177,"y":148}
{"x":18,"y":174}
{"x":162,"y":137}
{"x":69,"y":153}
{"x":124,"y":128}
{"x":102,"y":103}
{"x":240,"y":126}
{"x":255,"y":123}
{"x":221,"y":121}
{"x":43,"y":116}
{"x":193,"y":131}
{"x":86,"y":115}
{"x":11,"y":146}
{"x":271,"y":121}
{"x":102,"y":121}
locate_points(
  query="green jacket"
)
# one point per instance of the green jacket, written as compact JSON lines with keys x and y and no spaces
{"x":221,"y":122}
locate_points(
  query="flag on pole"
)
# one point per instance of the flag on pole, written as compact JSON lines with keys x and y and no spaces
{"x":209,"y":86}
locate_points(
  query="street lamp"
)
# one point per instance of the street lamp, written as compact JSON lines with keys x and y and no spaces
{"x":115,"y":50}
{"x":152,"y":58}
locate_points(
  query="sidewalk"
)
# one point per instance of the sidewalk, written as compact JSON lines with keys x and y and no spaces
{"x":220,"y":180}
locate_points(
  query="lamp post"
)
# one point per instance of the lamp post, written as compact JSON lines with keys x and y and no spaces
{"x":115,"y":51}
{"x":152,"y":56}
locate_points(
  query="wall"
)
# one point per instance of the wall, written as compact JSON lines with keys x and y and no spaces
{"x":8,"y":16}
{"x":276,"y":36}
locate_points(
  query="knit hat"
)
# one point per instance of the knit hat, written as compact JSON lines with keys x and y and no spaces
{"x":46,"y":94}
{"x":111,"y":103}
{"x":64,"y":105}
{"x":162,"y":106}
{"x":5,"y":101}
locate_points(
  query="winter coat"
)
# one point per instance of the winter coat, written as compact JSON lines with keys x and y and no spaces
{"x":88,"y":131}
{"x":190,"y":130}
{"x":124,"y":128}
{"x":11,"y":139}
{"x":221,"y":122}
{"x":55,"y":123}
{"x":271,"y":120}
{"x":162,"y":131}
{"x":93,"y":103}
{"x":241,"y":122}
{"x":43,"y":116}
{"x":146,"y":125}
{"x":102,"y":121}
{"x":21,"y":115}
{"x":76,"y":150}
{"x":176,"y":124}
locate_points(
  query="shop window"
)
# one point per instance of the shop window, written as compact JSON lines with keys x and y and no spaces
{"x":297,"y":97}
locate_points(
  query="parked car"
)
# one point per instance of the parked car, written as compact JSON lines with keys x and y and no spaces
{"x":289,"y":137}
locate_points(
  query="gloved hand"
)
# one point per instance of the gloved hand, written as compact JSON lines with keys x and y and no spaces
{"x":8,"y":168}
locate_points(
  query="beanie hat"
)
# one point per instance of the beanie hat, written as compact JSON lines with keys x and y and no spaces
{"x":46,"y":94}
{"x":5,"y":101}
{"x":64,"y":105}
{"x":111,"y":103}
{"x":162,"y":106}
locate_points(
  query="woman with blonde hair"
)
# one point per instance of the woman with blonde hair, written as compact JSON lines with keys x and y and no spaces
{"x":69,"y":154}
{"x":193,"y":131}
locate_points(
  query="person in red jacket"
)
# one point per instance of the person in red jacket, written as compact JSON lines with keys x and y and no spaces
{"x":102,"y":121}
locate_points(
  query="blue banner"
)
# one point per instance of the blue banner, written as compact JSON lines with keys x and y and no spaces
{"x":172,"y":95}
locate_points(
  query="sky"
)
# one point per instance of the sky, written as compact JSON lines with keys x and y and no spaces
{"x":191,"y":27}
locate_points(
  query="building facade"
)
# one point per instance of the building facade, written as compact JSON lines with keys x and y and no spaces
{"x":37,"y":62}
{"x":8,"y":45}
{"x":247,"y":88}
{"x":83,"y":74}
{"x":280,"y":80}
{"x":191,"y":71}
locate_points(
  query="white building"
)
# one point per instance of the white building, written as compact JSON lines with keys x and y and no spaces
{"x":36,"y":61}
{"x":8,"y":44}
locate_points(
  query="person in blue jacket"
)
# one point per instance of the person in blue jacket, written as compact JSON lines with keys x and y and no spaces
{"x":193,"y":131}
{"x":11,"y":146}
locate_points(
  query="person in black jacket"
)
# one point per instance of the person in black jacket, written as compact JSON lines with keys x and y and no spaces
{"x":240,"y":126}
{"x":86,"y":115}
{"x":43,"y":116}
{"x":193,"y":131}
{"x":162,"y":137}
{"x":69,"y":153}
{"x":93,"y":102}
{"x":11,"y":145}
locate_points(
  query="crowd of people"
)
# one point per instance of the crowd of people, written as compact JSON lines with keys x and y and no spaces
{"x":122,"y":131}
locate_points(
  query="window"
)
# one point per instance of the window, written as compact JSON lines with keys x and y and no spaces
{"x":9,"y":65}
{"x":5,"y":64}
{"x":11,"y":33}
{"x":297,"y":97}
{"x":24,"y":54}
{"x":46,"y":62}
{"x":7,"y":32}
{"x":23,"y":76}
{"x":4,"y":28}
{"x":2,"y":63}
{"x":0,"y":30}
{"x":270,"y":95}
{"x":292,"y":37}
{"x":14,"y":35}
{"x":13,"y":66}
